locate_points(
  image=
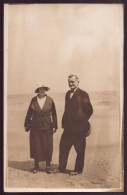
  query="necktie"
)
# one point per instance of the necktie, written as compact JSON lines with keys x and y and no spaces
{"x":71,"y":94}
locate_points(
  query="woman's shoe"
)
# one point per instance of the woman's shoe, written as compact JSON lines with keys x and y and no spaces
{"x":35,"y":170}
{"x":48,"y":170}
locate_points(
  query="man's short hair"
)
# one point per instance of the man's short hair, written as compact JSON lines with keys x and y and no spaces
{"x":73,"y":75}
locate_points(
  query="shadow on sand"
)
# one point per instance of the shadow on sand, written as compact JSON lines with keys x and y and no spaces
{"x":29,"y":165}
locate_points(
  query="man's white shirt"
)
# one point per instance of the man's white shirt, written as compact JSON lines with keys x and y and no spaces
{"x":71,"y":94}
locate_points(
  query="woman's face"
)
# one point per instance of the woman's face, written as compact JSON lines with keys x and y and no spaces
{"x":41,"y":91}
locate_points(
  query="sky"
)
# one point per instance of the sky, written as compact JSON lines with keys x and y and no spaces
{"x":47,"y":42}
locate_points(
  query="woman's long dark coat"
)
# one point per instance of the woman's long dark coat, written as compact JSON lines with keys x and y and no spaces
{"x":42,"y":121}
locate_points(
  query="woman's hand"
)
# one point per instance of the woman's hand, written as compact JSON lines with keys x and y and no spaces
{"x":54,"y":130}
{"x":27,"y":129}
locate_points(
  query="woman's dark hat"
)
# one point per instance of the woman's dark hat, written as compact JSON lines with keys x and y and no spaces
{"x":41,"y":87}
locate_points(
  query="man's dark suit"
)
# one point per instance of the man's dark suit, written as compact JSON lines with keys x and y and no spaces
{"x":78,"y":110}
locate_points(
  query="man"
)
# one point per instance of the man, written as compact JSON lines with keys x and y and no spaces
{"x":78,"y":110}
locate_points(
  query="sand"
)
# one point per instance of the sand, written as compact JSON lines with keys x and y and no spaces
{"x":102,"y":168}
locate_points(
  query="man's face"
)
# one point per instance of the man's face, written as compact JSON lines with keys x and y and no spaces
{"x":73,"y":83}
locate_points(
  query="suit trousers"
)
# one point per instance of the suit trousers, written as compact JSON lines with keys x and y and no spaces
{"x":78,"y":140}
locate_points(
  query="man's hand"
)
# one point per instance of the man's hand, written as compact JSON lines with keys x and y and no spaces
{"x":54,"y":130}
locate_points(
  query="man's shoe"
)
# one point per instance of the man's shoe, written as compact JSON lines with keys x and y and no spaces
{"x":58,"y":171}
{"x":48,"y":170}
{"x":75,"y":173}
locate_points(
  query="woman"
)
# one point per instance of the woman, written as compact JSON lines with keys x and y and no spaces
{"x":41,"y":120}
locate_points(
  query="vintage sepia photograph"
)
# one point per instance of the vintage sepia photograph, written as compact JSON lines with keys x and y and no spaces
{"x":63,"y":97}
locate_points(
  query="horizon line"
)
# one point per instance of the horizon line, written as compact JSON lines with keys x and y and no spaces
{"x":65,"y":92}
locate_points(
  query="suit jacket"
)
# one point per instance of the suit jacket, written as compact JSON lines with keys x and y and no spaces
{"x":77,"y":112}
{"x":41,"y":119}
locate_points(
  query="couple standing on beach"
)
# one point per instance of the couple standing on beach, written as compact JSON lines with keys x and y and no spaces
{"x":41,"y":121}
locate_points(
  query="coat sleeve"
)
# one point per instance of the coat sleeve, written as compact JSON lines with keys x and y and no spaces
{"x":87,"y":107}
{"x":28,"y":115}
{"x":63,"y":118}
{"x":54,"y":116}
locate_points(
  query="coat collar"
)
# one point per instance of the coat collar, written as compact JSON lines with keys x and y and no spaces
{"x":75,"y":94}
{"x":35,"y":105}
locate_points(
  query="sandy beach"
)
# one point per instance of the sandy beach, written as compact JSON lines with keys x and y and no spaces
{"x":102,"y":168}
